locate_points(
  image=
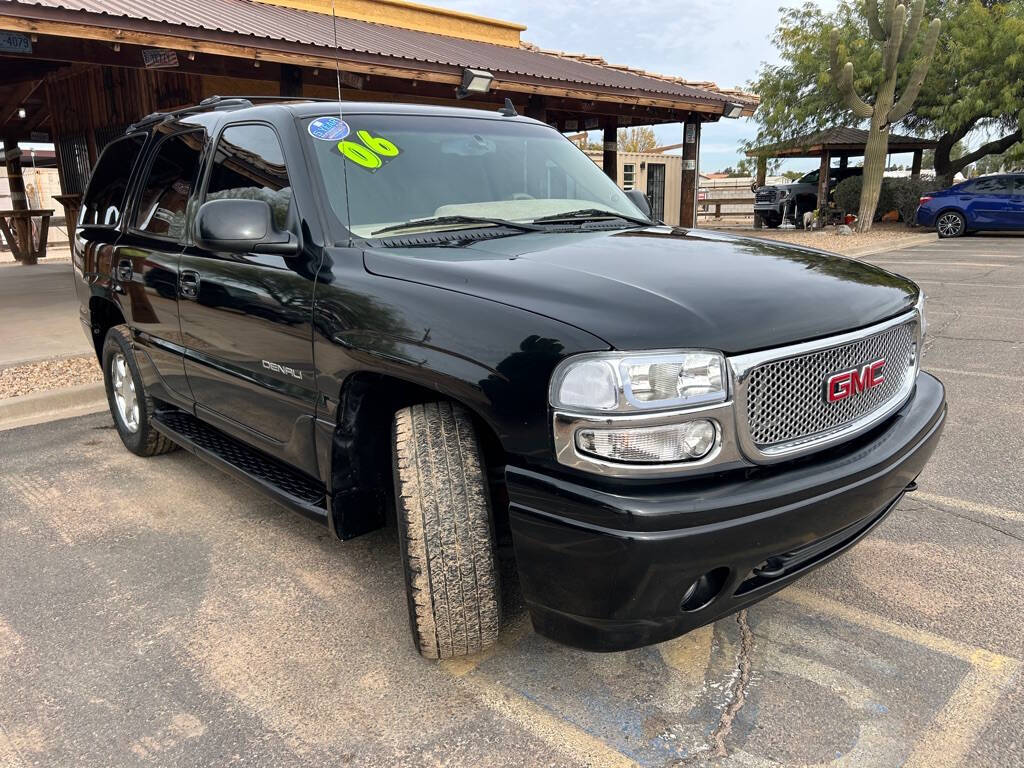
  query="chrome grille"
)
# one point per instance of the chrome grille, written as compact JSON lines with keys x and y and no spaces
{"x":768,"y":196}
{"x":786,"y":402}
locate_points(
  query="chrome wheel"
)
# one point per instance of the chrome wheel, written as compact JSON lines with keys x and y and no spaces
{"x":123,"y":386}
{"x":950,"y":225}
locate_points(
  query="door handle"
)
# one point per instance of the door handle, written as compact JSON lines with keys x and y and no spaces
{"x":188,"y":284}
{"x":124,"y":270}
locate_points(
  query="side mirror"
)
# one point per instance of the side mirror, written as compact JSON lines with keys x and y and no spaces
{"x":639,"y":199}
{"x":242,"y":226}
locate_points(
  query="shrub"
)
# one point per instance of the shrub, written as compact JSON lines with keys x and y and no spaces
{"x":907,"y":194}
{"x":847,"y":194}
{"x":895,"y":194}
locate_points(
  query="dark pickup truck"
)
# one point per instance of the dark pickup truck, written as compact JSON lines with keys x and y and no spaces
{"x":790,"y":202}
{"x":454,"y":320}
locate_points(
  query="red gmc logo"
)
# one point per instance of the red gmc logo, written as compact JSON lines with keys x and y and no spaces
{"x":840,"y":386}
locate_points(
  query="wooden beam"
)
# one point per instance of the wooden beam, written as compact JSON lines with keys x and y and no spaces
{"x":915,"y":168}
{"x":610,"y":157}
{"x":290,"y":81}
{"x":690,"y":175}
{"x":16,"y":99}
{"x":823,"y":174}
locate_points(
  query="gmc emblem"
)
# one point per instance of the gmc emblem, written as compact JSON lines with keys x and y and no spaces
{"x":840,"y":386}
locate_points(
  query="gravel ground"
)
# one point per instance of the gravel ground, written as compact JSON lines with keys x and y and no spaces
{"x":828,"y":240}
{"x":48,"y":374}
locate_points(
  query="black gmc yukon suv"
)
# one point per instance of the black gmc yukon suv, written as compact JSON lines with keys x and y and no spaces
{"x":456,"y":316}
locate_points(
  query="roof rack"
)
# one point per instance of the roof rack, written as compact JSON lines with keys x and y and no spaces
{"x":211,"y":104}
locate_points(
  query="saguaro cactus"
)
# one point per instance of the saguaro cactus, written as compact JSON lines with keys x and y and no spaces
{"x":897,"y":35}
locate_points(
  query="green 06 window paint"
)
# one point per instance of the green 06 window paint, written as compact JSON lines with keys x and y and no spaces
{"x":368,"y":154}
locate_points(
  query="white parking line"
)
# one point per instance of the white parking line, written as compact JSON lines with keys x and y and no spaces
{"x":920,"y":263}
{"x":968,"y":506}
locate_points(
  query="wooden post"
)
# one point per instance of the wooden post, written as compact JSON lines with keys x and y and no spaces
{"x":915,"y":168}
{"x":290,"y":81}
{"x":690,"y":175}
{"x":610,"y":161}
{"x":536,"y":108}
{"x":844,"y":162}
{"x":22,"y":249}
{"x":823,"y":171}
{"x":762,"y":177}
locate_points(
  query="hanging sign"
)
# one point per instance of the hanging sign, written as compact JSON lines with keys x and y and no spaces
{"x":15,"y":42}
{"x":159,"y":58}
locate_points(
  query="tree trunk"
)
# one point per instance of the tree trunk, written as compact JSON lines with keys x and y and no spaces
{"x":874,"y":155}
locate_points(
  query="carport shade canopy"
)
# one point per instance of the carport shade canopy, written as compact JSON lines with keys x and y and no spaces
{"x":843,"y":143}
{"x":86,"y":69}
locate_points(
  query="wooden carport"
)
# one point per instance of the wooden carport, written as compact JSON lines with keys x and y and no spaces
{"x":83,"y":70}
{"x":843,"y":143}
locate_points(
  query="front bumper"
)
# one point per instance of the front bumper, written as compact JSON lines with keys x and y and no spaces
{"x":608,"y":570}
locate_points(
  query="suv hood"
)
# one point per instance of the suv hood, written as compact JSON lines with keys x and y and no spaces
{"x":660,"y":288}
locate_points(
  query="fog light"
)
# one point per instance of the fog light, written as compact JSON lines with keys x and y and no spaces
{"x":689,"y":441}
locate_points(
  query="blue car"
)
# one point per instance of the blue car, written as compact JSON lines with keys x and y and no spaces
{"x":988,"y":202}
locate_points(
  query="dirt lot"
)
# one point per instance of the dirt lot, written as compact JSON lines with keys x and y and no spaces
{"x":881,"y":236}
{"x":155,"y":612}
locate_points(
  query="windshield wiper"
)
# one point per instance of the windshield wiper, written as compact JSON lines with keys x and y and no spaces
{"x":591,"y":214}
{"x":468,"y":220}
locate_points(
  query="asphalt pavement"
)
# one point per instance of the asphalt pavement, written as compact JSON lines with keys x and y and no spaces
{"x":156,"y":612}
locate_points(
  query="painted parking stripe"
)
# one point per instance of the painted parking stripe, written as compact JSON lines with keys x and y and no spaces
{"x":950,"y":736}
{"x":964,"y":505}
{"x":980,"y":374}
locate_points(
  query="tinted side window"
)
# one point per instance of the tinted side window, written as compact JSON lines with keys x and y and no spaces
{"x":992,"y":185}
{"x":163,"y":202}
{"x":249,"y":165}
{"x":103,"y":204}
{"x":1018,"y":185}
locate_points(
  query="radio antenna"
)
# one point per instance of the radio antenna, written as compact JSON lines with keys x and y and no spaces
{"x":341,"y":119}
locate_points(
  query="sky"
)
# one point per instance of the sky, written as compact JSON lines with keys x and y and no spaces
{"x":724,"y":41}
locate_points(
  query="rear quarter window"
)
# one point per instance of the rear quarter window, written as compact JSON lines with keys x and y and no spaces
{"x":104,"y":201}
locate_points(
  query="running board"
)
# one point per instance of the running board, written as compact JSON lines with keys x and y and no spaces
{"x":283,"y":484}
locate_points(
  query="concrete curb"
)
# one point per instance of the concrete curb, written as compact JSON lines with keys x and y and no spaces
{"x":899,"y":245}
{"x":50,"y":405}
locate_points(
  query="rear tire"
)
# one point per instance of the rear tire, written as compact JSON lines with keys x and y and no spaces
{"x":130,"y":406}
{"x":950,"y":224}
{"x":445,"y":531}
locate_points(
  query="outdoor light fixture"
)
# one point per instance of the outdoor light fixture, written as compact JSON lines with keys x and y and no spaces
{"x":732,"y":109}
{"x":21,"y":112}
{"x":474,"y":81}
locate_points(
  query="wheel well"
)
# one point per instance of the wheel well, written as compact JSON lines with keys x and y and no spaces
{"x":103,"y":315}
{"x":361,"y":455}
{"x":952,"y":209}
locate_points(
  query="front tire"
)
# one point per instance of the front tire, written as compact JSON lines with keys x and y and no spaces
{"x":445,"y":531}
{"x":130,"y":406}
{"x":950,"y":224}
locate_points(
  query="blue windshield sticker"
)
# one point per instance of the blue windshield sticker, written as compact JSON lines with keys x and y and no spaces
{"x":328,"y":129}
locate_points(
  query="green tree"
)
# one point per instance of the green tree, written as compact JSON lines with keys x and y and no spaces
{"x":977,"y":77}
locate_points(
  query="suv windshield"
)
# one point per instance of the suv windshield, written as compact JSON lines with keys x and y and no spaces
{"x":459,"y":171}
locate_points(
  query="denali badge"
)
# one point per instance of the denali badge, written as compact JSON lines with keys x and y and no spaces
{"x":282,"y":369}
{"x":840,"y":386}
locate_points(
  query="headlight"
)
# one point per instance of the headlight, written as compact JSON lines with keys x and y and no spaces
{"x":687,"y":441}
{"x":641,"y":381}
